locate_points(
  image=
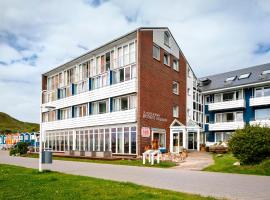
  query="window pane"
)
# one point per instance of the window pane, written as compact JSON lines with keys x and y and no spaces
{"x":262,"y":114}
{"x":228,"y":96}
{"x":113,"y":130}
{"x":127,"y":73}
{"x":124,"y":103}
{"x":120,"y":146}
{"x":156,"y":52}
{"x":266,"y":91}
{"x":126,"y":140}
{"x":102,"y":107}
{"x":121,"y":75}
{"x":133,"y":140}
{"x":258,"y":92}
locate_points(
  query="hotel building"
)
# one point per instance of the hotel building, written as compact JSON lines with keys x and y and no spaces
{"x":139,"y":89}
{"x":234,"y":99}
{"x":122,"y":96}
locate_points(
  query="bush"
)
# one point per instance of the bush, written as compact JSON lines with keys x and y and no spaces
{"x":251,"y":145}
{"x":21,"y":148}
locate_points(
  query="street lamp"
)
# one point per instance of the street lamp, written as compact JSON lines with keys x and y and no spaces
{"x":40,"y":127}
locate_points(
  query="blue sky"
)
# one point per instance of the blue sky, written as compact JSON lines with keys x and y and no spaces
{"x":37,"y":35}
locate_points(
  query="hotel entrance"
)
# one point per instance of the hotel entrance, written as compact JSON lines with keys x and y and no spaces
{"x":192,"y":140}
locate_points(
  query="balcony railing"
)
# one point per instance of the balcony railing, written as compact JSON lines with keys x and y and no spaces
{"x":260,"y":101}
{"x":227,"y":105}
{"x":223,"y":126}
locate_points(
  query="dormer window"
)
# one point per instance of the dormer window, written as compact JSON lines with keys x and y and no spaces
{"x":230,"y":79}
{"x":243,"y":76}
{"x":266,"y":72}
{"x":167,"y":38}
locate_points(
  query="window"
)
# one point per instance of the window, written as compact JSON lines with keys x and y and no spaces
{"x":262,"y":114}
{"x":160,"y":139}
{"x":166,"y":58}
{"x":189,"y":92}
{"x":175,"y":65}
{"x":266,"y":72}
{"x":217,"y":98}
{"x":124,"y":103}
{"x":263,"y":91}
{"x":243,"y":76}
{"x":207,"y":99}
{"x":102,"y":107}
{"x":207,"y":119}
{"x":167,"y":38}
{"x":175,"y":111}
{"x":156,"y":52}
{"x":80,"y":110}
{"x":175,"y":87}
{"x":228,"y":96}
{"x":230,"y":79}
{"x":99,"y":107}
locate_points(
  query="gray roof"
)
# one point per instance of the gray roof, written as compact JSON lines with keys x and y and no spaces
{"x":218,"y":81}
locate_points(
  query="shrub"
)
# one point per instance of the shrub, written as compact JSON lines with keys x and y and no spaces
{"x":251,"y":145}
{"x":21,"y":148}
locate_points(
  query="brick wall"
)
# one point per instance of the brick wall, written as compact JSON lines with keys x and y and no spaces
{"x":155,"y":89}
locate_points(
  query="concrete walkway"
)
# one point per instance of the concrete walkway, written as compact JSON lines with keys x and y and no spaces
{"x":196,"y":160}
{"x":230,"y":186}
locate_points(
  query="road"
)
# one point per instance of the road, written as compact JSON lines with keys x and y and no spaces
{"x":230,"y":186}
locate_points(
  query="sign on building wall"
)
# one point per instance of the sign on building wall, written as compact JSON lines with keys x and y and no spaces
{"x":145,"y":132}
{"x":153,"y":116}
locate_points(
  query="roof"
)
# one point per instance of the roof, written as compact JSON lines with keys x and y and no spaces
{"x":218,"y":81}
{"x":83,"y":57}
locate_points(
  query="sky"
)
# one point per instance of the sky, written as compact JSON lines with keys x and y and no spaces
{"x":38,"y":35}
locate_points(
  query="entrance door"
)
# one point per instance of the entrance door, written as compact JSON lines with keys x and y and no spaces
{"x":192,"y":140}
{"x":177,"y":141}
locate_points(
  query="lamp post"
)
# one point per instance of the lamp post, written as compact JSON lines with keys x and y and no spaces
{"x":41,"y":131}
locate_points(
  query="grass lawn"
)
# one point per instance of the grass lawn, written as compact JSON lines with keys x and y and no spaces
{"x":23,"y":183}
{"x":162,"y":164}
{"x":225,"y":164}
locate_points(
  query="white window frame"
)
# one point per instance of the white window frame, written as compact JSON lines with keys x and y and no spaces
{"x":156,"y":46}
{"x":176,"y":66}
{"x":168,"y":56}
{"x":177,"y":87}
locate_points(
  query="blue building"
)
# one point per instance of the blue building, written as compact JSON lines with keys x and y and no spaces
{"x":234,"y":99}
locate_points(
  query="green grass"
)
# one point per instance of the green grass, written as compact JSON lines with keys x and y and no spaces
{"x":10,"y":124}
{"x":162,"y":164}
{"x":22,"y":183}
{"x":225,"y":164}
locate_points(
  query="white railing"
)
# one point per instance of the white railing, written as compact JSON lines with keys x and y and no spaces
{"x":262,"y":123}
{"x":226,"y":126}
{"x":258,"y":101}
{"x":119,"y":117}
{"x":226,"y":105}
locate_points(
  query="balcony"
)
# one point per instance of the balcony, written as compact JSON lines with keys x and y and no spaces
{"x":262,"y":123}
{"x":97,"y":94}
{"x":260,"y":101}
{"x":127,"y":116}
{"x":226,"y":126}
{"x":226,"y":105}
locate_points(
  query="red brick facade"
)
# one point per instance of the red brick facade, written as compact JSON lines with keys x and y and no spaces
{"x":155,"y":85}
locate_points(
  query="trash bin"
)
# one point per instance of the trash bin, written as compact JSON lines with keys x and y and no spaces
{"x":47,"y":156}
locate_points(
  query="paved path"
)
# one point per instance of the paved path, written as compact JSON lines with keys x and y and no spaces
{"x":196,"y":160}
{"x":230,"y":186}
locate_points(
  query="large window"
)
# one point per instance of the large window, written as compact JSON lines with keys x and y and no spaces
{"x":124,"y":103}
{"x":228,"y":96}
{"x":160,"y":138}
{"x":156,"y":52}
{"x":99,"y":107}
{"x":229,"y":117}
{"x":262,"y":114}
{"x":81,"y":110}
{"x":262,"y":91}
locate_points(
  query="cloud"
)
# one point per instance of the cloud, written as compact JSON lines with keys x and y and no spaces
{"x":37,"y":35}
